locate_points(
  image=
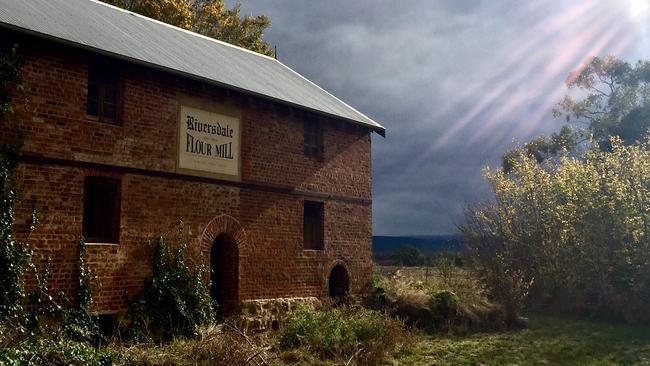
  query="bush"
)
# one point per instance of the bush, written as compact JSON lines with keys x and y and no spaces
{"x":573,"y":234}
{"x":176,"y":302}
{"x":444,"y":308}
{"x":55,"y":351}
{"x":445,"y":299}
{"x":408,"y":255}
{"x":346,"y":333}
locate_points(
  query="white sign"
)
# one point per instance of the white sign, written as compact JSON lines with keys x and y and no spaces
{"x":208,"y":142}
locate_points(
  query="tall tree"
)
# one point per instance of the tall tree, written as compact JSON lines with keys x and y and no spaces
{"x":208,"y":17}
{"x":611,"y":98}
{"x":615,"y":99}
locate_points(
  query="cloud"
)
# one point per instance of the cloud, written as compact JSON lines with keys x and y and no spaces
{"x":454,"y":83}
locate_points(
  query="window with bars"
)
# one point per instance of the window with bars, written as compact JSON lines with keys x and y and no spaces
{"x":103,"y":100}
{"x":313,"y":225}
{"x":101,"y":220}
{"x":313,"y":140}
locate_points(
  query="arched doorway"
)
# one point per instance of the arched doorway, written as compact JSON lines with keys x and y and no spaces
{"x":339,"y":283}
{"x":224,"y":274}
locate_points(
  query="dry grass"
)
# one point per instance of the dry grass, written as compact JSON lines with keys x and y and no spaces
{"x":349,"y":335}
{"x":409,"y":291}
{"x":338,"y":336}
{"x":216,"y":345}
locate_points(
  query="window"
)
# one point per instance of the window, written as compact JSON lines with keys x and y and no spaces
{"x":313,"y":140}
{"x":313,"y":225}
{"x":103,"y":91}
{"x":101,"y":210}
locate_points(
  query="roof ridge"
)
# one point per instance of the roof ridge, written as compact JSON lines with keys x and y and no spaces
{"x":99,"y":2}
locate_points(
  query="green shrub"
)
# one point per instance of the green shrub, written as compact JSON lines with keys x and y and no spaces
{"x":51,"y":351}
{"x":176,"y":302}
{"x":341,"y":333}
{"x":444,"y":309}
{"x":78,"y":323}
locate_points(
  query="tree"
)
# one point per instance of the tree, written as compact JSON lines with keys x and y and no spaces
{"x":617,"y":101}
{"x":208,"y":17}
{"x":408,"y":255}
{"x":542,"y":147}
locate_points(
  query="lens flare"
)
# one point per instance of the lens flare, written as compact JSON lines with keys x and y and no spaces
{"x":638,"y":9}
{"x":533,"y":66}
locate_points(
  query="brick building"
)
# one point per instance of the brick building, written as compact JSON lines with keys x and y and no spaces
{"x":132,"y":125}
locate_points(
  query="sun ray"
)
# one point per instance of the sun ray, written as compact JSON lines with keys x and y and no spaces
{"x":529,"y":80}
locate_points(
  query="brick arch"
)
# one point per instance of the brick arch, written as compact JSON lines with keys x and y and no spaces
{"x":332,"y":265}
{"x":223,"y":224}
{"x":227,"y":292}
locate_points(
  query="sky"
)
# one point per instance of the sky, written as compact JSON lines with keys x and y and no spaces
{"x":455,"y":83}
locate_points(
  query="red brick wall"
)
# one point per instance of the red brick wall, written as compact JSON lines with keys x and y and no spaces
{"x":264,"y":213}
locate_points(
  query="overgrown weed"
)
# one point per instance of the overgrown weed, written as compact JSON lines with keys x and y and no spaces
{"x":442,"y":298}
{"x":349,"y":334}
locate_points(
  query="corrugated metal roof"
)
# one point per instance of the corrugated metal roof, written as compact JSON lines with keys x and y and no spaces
{"x":103,"y":28}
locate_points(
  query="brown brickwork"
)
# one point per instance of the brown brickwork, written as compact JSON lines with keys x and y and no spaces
{"x":262,"y":213}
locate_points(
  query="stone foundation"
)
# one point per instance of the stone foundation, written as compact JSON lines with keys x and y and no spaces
{"x":268,"y":314}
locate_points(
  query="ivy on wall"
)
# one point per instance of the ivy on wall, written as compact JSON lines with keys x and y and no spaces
{"x":14,"y":255}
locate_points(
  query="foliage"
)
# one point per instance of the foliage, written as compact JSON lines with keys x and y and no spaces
{"x":78,"y":323}
{"x":10,"y":63}
{"x":55,"y":351}
{"x":208,"y":17}
{"x":542,"y":148}
{"x":213,"y":19}
{"x":14,"y":255}
{"x":575,"y":234}
{"x":547,"y":341}
{"x":444,"y":308}
{"x":610,"y":98}
{"x":174,"y":12}
{"x":48,"y":313}
{"x":616,"y":102}
{"x":408,"y":255}
{"x":176,"y":302}
{"x":349,"y":333}
{"x":448,"y":298}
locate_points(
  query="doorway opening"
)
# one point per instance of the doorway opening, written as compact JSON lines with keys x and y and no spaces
{"x":224,"y":274}
{"x":339,"y":283}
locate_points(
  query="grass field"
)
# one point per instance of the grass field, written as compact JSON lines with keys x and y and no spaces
{"x":547,"y":341}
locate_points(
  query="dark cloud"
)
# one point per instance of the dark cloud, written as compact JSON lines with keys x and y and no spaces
{"x":454,"y":83}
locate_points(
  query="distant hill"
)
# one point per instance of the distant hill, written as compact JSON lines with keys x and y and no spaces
{"x":426,"y":244}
